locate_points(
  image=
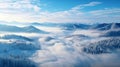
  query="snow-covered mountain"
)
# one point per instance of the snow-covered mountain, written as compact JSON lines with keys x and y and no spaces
{"x":32,"y":29}
{"x":103,"y":46}
{"x":29,"y":29}
{"x":15,"y":50}
{"x":9,"y":28}
{"x":17,"y":37}
{"x":67,"y":26}
{"x":75,"y":45}
{"x":73,"y":26}
{"x":106,"y":26}
{"x":112,"y":33}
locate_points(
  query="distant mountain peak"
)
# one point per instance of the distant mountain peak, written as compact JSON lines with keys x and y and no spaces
{"x":115,"y":26}
{"x":30,"y":27}
{"x":106,"y":26}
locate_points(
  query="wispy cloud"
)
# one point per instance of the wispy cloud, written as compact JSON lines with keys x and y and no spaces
{"x":86,"y":5}
{"x":76,"y":15}
{"x":26,"y":11}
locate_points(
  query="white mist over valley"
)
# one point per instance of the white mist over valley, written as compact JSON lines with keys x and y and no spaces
{"x":60,"y":45}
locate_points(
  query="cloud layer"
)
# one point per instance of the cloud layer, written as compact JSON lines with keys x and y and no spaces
{"x":27,"y":11}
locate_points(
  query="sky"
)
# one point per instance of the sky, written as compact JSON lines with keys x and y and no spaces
{"x":60,"y":11}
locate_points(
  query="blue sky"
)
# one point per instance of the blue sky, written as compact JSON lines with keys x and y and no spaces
{"x":58,"y":5}
{"x":60,"y":11}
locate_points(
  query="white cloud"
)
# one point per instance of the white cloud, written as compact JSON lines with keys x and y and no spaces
{"x":19,"y":11}
{"x":101,"y":16}
{"x":25,"y":11}
{"x":106,"y":11}
{"x":86,"y":5}
{"x":20,"y":5}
